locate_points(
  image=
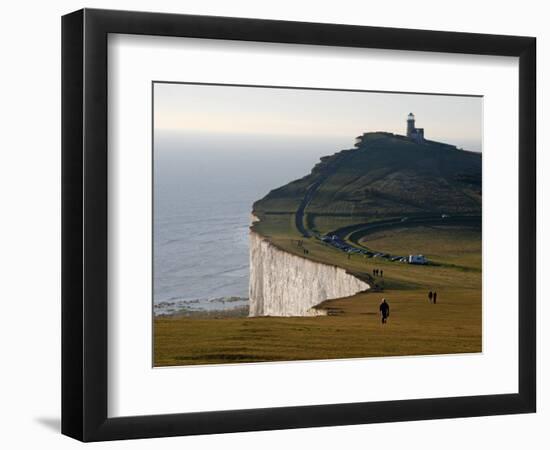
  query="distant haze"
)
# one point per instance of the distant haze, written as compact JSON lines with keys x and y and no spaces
{"x":313,"y":114}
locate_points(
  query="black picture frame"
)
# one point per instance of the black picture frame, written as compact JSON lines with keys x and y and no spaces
{"x":84,"y":224}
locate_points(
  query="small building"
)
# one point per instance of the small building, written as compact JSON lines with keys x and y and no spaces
{"x":417,"y":259}
{"x":416,"y":134}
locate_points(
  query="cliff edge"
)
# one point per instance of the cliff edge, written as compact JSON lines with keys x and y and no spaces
{"x":283,"y":284}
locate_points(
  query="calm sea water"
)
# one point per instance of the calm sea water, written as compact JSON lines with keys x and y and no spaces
{"x":204,"y":188}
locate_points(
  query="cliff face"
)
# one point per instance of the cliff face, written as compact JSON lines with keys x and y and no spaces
{"x":282,"y":284}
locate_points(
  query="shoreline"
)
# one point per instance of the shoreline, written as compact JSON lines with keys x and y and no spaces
{"x":236,"y":312}
{"x":231,"y":306}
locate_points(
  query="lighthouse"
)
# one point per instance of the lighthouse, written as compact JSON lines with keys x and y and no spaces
{"x":410,"y":125}
{"x":416,"y":134}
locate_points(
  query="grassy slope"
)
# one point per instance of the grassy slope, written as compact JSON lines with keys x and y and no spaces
{"x":415,"y":327}
{"x":388,"y":177}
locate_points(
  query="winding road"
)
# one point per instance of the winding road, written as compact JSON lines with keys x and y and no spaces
{"x":310,"y":194}
{"x":352,"y":234}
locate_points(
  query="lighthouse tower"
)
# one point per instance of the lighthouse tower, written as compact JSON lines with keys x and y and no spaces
{"x":410,"y":125}
{"x":416,"y":134}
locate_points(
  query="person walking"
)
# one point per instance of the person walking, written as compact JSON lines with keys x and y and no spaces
{"x":384,"y":310}
{"x":382,"y":273}
{"x":430,"y":295}
{"x":435,"y":298}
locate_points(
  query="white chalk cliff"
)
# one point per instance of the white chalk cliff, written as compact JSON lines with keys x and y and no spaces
{"x":283,"y":284}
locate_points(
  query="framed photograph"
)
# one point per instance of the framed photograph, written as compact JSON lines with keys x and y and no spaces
{"x":272,"y":224}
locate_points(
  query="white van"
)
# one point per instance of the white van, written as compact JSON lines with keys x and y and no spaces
{"x":417,"y":259}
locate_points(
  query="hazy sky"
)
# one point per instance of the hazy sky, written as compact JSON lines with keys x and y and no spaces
{"x":317,"y":113}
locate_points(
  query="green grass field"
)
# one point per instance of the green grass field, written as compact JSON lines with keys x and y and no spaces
{"x":352,"y":329}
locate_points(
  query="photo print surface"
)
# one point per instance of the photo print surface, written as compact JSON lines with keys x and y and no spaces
{"x":304,"y":224}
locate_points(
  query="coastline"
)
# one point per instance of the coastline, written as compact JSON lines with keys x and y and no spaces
{"x":283,"y":284}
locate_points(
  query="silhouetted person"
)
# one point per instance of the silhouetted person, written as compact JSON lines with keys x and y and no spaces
{"x":373,"y":272}
{"x":435,"y":298}
{"x":430,"y":295}
{"x":381,"y":273}
{"x":384,"y":310}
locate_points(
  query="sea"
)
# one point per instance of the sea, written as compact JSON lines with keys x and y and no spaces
{"x":204,"y":187}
